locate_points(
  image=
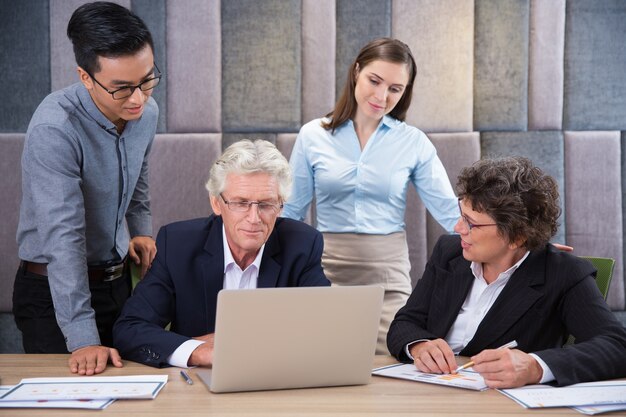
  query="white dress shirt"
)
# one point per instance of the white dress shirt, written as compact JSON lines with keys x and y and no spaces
{"x":234,"y":279}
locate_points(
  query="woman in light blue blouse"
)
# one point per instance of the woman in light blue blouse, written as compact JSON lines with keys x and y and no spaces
{"x":358,"y":162}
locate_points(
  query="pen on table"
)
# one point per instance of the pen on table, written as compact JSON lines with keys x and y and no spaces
{"x":511,"y":344}
{"x":186,"y":377}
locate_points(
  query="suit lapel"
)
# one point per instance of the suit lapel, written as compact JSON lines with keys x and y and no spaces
{"x":213,"y":269}
{"x":449,"y":295}
{"x":517,"y":297}
{"x":270,"y":268}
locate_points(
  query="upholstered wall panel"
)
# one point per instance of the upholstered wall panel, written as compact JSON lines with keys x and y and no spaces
{"x":416,"y":234}
{"x":593,"y":201}
{"x":456,"y":151}
{"x":11,"y":191}
{"x":318,"y":58}
{"x":179,"y":168}
{"x":545,"y":149}
{"x":194,"y":68}
{"x":230,"y":138}
{"x":261,"y":59}
{"x":443,"y":90}
{"x":152,"y":12}
{"x":358,"y":22}
{"x":18,"y":21}
{"x":284,"y":143}
{"x":545,"y":67}
{"x":501,"y":64}
{"x":595,"y":65}
{"x":62,"y":62}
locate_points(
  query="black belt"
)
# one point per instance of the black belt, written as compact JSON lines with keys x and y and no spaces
{"x":100,"y":273}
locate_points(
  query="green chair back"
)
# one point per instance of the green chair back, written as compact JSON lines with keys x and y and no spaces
{"x":605,"y":272}
{"x":603,"y":278}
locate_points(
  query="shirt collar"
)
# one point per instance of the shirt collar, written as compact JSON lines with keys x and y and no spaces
{"x":94,"y":112}
{"x":230,"y":260}
{"x":477,"y":269}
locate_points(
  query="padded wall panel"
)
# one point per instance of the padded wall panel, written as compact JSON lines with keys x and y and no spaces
{"x":623,"y":157}
{"x":416,"y":235}
{"x":24,"y":55}
{"x":179,"y":168}
{"x":545,"y":149}
{"x":443,"y":90}
{"x":501,"y":64}
{"x":456,"y":151}
{"x":230,"y":138}
{"x":261,"y":60}
{"x":545,"y":67}
{"x":194,"y":74}
{"x":11,"y":191}
{"x":595,"y":63}
{"x":62,"y":62}
{"x":358,"y":22}
{"x":284,"y":143}
{"x":593,"y":201}
{"x":318,"y":58}
{"x":153,"y":13}
{"x":10,"y":336}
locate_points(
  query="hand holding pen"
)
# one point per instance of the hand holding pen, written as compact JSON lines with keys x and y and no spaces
{"x":509,"y":345}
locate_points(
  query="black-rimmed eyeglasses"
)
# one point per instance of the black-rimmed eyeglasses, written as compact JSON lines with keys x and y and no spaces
{"x":128,"y":91}
{"x":265,"y":207}
{"x":469,"y":224}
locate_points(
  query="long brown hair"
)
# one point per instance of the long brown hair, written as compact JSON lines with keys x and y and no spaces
{"x":383,"y":49}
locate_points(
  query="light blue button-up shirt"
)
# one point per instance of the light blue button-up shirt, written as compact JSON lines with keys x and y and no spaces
{"x":365,"y":191}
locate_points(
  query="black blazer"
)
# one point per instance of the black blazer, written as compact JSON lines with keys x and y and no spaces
{"x":187,"y":273}
{"x":551,"y":295}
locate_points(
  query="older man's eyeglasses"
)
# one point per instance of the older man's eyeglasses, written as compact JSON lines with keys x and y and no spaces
{"x":469,"y":224}
{"x":128,"y":91}
{"x":265,"y":207}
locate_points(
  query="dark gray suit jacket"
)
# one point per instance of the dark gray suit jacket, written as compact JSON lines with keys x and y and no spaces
{"x":182,"y":284}
{"x":551,"y":295}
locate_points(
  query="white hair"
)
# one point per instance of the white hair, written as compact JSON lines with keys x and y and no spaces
{"x":247,"y":157}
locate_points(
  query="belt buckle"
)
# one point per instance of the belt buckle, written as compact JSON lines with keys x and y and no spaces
{"x":113,"y":272}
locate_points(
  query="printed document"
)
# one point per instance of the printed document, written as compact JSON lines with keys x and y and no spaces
{"x":466,"y":378}
{"x":86,"y":388}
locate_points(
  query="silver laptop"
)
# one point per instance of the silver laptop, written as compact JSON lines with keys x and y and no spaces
{"x":279,"y":338}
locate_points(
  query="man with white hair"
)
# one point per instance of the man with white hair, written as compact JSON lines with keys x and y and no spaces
{"x":243,"y":245}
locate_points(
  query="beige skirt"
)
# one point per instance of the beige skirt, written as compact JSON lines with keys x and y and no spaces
{"x":362,"y":259}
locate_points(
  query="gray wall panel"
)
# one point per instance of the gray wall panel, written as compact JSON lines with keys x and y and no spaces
{"x":593,"y":201}
{"x":180,"y":165}
{"x":11,"y":146}
{"x":24,"y":61}
{"x":318,"y":58}
{"x":194,"y":70}
{"x":358,"y":22}
{"x":545,"y":149}
{"x":261,"y":59}
{"x":595,"y":65}
{"x":545,"y":69}
{"x":501,"y":64}
{"x":456,"y":151}
{"x":443,"y":89}
{"x":153,"y":13}
{"x":63,"y":64}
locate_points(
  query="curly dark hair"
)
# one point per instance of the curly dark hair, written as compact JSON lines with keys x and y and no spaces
{"x":522,"y":200}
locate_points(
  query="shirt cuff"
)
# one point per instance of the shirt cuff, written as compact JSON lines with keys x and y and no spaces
{"x":180,"y":357}
{"x":139,"y":225}
{"x":408,"y":347}
{"x":547,"y":376}
{"x":81,"y":334}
